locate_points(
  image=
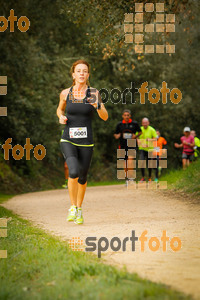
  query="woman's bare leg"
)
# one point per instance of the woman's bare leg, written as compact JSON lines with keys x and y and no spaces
{"x":81,"y":193}
{"x":184,"y":161}
{"x":73,"y":190}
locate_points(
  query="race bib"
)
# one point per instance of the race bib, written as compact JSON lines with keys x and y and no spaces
{"x":78,"y":132}
{"x":127,"y":135}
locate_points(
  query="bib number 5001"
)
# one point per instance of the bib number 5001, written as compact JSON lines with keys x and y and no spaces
{"x":78,"y":132}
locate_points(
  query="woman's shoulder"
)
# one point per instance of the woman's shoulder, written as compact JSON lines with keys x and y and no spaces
{"x":65,"y":93}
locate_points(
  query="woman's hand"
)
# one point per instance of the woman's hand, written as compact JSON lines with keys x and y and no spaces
{"x":92,"y":102}
{"x":96,"y":102}
{"x":62,"y":119}
{"x":176,"y":145}
{"x":186,"y":143}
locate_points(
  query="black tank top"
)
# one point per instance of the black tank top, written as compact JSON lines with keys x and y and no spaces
{"x":78,"y":129}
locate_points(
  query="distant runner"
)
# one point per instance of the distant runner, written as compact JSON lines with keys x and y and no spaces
{"x":66,"y":175}
{"x":187,"y":143}
{"x":125,"y":130}
{"x":146,"y":144}
{"x":66,"y":172}
{"x":197,"y":144}
{"x":159,"y":150}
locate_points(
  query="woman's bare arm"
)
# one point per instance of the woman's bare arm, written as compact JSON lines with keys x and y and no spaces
{"x":102,"y":112}
{"x":178,"y":145}
{"x":62,"y":106}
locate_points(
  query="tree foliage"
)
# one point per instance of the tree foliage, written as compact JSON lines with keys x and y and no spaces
{"x":37,"y":64}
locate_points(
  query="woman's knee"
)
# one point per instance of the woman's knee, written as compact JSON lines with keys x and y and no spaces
{"x":82,"y":177}
{"x":82,"y":180}
{"x":73,"y":173}
{"x":73,"y":167}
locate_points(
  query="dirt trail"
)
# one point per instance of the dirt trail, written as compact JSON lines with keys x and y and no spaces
{"x":112,"y":211}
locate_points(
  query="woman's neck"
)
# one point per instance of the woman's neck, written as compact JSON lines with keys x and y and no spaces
{"x":80,"y":86}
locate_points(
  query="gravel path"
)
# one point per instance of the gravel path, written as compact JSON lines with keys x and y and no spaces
{"x":114,"y":211}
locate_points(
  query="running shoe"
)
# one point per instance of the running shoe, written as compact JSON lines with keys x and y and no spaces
{"x":79,"y":216}
{"x":149,"y":180}
{"x":72,"y":213}
{"x":156,"y":179}
{"x":65,"y":185}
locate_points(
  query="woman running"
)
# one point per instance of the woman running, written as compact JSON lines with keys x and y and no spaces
{"x":80,"y":102}
{"x":187,"y":143}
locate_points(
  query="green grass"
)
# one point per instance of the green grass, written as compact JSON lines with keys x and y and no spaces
{"x":4,"y":197}
{"x":40,"y":266}
{"x":185,"y":180}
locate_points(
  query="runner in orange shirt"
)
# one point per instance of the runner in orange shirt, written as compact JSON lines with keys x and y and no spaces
{"x":159,"y":150}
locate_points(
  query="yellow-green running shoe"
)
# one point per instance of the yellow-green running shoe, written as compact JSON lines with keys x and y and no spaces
{"x":79,"y":216}
{"x":65,"y":186}
{"x":72,"y":213}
